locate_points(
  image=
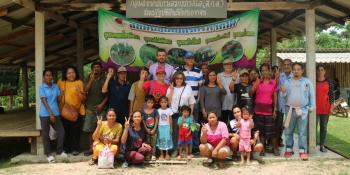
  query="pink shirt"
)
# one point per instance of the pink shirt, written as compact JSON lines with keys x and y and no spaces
{"x":158,"y":90}
{"x":215,"y":135}
{"x":264,"y":97}
{"x":244,"y":130}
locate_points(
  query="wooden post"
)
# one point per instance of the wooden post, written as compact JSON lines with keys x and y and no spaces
{"x":80,"y":50}
{"x":311,"y":71}
{"x":273,"y":45}
{"x":39,"y":59}
{"x":25,"y":86}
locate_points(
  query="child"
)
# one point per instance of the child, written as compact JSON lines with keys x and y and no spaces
{"x":245,"y":125}
{"x":185,"y":137}
{"x":150,"y":121}
{"x":164,"y":141}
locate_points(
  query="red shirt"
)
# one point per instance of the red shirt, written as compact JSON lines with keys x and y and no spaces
{"x":323,"y":105}
{"x":158,"y":90}
{"x":264,"y":97}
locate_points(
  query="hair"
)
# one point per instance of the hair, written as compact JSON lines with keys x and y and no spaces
{"x":185,"y":108}
{"x":254,"y":69}
{"x":173,"y":80}
{"x":274,"y":67}
{"x":111,"y":109}
{"x":65,"y":70}
{"x":163,"y":98}
{"x":207,"y":82}
{"x":144,"y":69}
{"x":96,"y":63}
{"x":244,"y":109}
{"x":204,"y":64}
{"x":236,"y":106}
{"x":161,"y":50}
{"x":320,"y":66}
{"x":287,"y":60}
{"x":265,"y":65}
{"x":47,"y":70}
{"x":213,"y":112}
{"x":296,"y":64}
{"x":149,"y":97}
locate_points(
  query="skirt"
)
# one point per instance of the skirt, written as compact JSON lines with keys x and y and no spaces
{"x":164,"y":140}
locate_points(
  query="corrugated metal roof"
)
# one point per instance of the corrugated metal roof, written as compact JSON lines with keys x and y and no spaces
{"x":320,"y":57}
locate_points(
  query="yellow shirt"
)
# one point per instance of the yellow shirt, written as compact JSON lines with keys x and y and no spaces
{"x":111,"y":133}
{"x":70,"y":95}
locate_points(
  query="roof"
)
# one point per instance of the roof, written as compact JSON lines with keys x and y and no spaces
{"x":322,"y":55}
{"x":64,"y":17}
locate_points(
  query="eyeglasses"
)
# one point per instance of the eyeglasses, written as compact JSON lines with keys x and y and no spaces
{"x":179,"y":78}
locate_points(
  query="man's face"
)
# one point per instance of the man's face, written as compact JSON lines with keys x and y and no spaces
{"x":228,"y":67}
{"x":122,"y":76}
{"x":297,"y":71}
{"x":96,"y":69}
{"x":161,"y":57}
{"x":244,"y":78}
{"x":205,"y":69}
{"x":287,"y":66}
{"x":189,"y":61}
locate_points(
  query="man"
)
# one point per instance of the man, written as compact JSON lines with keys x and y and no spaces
{"x":229,"y":100}
{"x":161,"y":62}
{"x":205,"y":70}
{"x":118,"y":91}
{"x":193,"y":78}
{"x":95,"y":101}
{"x":241,"y":91}
{"x":282,"y":78}
{"x":300,"y":99}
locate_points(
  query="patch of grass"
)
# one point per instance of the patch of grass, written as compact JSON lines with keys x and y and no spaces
{"x":338,"y":135}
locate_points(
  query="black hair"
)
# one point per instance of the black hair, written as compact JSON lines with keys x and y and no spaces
{"x":161,"y":50}
{"x":144,"y":69}
{"x":206,"y":83}
{"x":163,"y":98}
{"x":96,"y":63}
{"x":173,"y":80}
{"x":254,"y":69}
{"x":47,"y":70}
{"x":244,"y":109}
{"x":320,"y":66}
{"x":185,"y":108}
{"x":65,"y":70}
{"x":149,"y":97}
{"x":264,"y":65}
{"x":296,"y":64}
{"x":235,"y":106}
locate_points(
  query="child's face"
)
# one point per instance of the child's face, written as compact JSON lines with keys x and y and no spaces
{"x":150,"y":104}
{"x":185,"y":113}
{"x":245,"y":115}
{"x":163,"y":103}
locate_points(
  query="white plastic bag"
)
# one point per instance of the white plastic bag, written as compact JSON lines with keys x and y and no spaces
{"x":52,"y":133}
{"x":106,"y":158}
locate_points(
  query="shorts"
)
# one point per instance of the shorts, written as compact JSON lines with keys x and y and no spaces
{"x":90,"y":120}
{"x":265,"y":124}
{"x":225,"y":148}
{"x":244,"y":145}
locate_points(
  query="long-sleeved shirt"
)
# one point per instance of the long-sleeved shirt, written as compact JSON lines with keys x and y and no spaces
{"x":210,"y":99}
{"x":281,"y":100}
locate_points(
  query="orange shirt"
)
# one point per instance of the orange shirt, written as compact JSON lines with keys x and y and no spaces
{"x":70,"y":95}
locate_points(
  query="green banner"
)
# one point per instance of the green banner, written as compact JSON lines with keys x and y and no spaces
{"x":131,"y":43}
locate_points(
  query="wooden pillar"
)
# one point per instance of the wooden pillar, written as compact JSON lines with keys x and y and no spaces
{"x":273,"y":46}
{"x":80,"y":50}
{"x":311,"y":71}
{"x":39,"y":59}
{"x":25,"y":86}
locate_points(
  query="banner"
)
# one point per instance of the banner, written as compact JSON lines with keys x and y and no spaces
{"x":131,"y":43}
{"x":9,"y":79}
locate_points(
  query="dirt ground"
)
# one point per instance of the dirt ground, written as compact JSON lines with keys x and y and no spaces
{"x":327,"y":167}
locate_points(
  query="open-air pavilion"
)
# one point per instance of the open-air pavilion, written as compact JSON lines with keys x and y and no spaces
{"x":53,"y":33}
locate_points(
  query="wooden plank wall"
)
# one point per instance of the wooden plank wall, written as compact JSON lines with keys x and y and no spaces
{"x":340,"y":71}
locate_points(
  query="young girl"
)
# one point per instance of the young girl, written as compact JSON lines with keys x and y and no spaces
{"x":164,"y":141}
{"x":150,"y":120}
{"x":245,"y":125}
{"x":185,"y":136}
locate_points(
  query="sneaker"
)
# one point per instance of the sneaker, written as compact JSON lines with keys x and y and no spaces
{"x":153,"y":158}
{"x":303,"y":156}
{"x":323,"y":149}
{"x":62,"y":155}
{"x":288,"y":154}
{"x":125,"y":165}
{"x":50,"y":159}
{"x":276,"y":152}
{"x":209,"y":160}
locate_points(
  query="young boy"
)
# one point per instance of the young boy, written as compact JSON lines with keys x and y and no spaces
{"x":185,"y":136}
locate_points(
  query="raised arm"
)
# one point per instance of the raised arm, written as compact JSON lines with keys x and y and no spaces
{"x":109,"y":77}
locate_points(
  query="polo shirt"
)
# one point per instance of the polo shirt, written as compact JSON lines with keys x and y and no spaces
{"x":51,"y":93}
{"x":193,"y":78}
{"x":118,"y":97}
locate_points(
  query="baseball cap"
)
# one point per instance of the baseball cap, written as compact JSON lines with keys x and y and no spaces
{"x":189,"y":54}
{"x":121,"y":69}
{"x":160,"y":69}
{"x":228,"y":61}
{"x":243,"y":71}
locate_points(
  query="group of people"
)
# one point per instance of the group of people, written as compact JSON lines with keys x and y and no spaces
{"x":178,"y":112}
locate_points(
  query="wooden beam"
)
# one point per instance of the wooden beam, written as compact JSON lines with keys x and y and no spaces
{"x":336,"y":6}
{"x":288,"y":17}
{"x":39,"y":60}
{"x":329,"y":17}
{"x":273,"y":46}
{"x":74,"y":6}
{"x":18,"y":22}
{"x":80,"y":51}
{"x":25,"y":86}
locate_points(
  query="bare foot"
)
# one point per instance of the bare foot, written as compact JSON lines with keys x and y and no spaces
{"x":242,"y":162}
{"x":179,"y":157}
{"x":161,"y":157}
{"x":167,"y":157}
{"x":189,"y":157}
{"x":248,"y":161}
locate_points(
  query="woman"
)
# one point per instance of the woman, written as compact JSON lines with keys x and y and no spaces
{"x":157,"y":88}
{"x":133,"y":140}
{"x":324,"y":103}
{"x":136,"y":94}
{"x":211,"y":94}
{"x":106,"y":133}
{"x":73,"y":93}
{"x":265,"y":91}
{"x":214,"y":139}
{"x":50,"y":116}
{"x":179,"y":94}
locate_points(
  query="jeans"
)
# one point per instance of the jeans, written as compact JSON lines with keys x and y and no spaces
{"x":301,"y":122}
{"x":45,"y":125}
{"x":323,"y":120}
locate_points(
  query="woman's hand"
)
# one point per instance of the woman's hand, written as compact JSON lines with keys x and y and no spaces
{"x":52,"y":118}
{"x":234,"y":75}
{"x":99,"y":120}
{"x":146,"y":145}
{"x":171,"y":86}
{"x":127,"y":123}
{"x":218,"y":81}
{"x":204,"y":129}
{"x":214,"y":153}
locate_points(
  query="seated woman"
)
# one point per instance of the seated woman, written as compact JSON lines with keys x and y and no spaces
{"x":133,"y":140}
{"x":214,"y":140}
{"x":106,"y":133}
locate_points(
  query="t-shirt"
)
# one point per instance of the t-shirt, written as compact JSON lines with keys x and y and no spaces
{"x":210,"y":99}
{"x":150,"y":119}
{"x":111,"y":133}
{"x":118,"y":97}
{"x":135,"y":139}
{"x":243,"y":98}
{"x":137,"y":96}
{"x":169,"y":70}
{"x":233,"y":126}
{"x":215,"y":135}
{"x":158,"y":90}
{"x":187,"y":97}
{"x":245,"y":130}
{"x":70,"y":95}
{"x":164,"y":116}
{"x":294,"y":99}
{"x":229,"y":99}
{"x":264,"y":97}
{"x":186,"y":123}
{"x":94,"y":95}
{"x":51,"y":93}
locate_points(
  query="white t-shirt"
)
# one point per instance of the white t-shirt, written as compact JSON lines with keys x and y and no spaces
{"x":187,"y":97}
{"x":164,"y":116}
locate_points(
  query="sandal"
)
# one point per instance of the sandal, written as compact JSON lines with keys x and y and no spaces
{"x":92,"y":162}
{"x":179,"y":157}
{"x":288,"y":154}
{"x":303,"y":156}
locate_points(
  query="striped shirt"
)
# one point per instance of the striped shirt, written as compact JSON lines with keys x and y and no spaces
{"x":194,"y":78}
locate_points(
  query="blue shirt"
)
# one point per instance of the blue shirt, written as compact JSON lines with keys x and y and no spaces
{"x":281,"y":100}
{"x":118,"y":97}
{"x":186,"y":123}
{"x":51,"y":93}
{"x":193,"y":78}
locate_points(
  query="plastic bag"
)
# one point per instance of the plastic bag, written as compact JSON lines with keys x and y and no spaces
{"x":52,"y":133}
{"x":106,"y":158}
